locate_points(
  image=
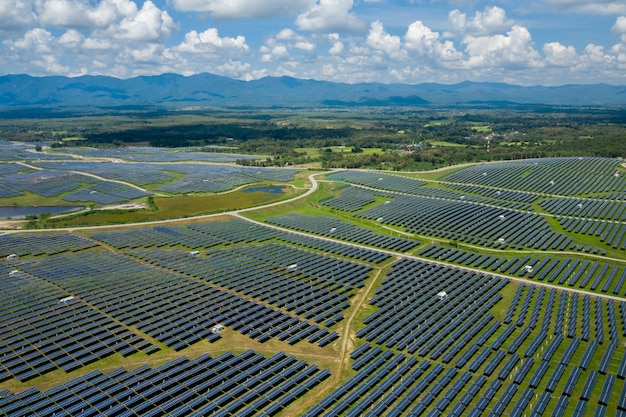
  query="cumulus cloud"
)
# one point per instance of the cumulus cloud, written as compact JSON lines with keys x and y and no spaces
{"x":16,"y":14}
{"x":274,"y":53}
{"x":425,"y":42}
{"x":488,"y":22}
{"x":148,"y":24}
{"x":72,"y":39}
{"x":594,"y":55}
{"x":514,"y":49}
{"x":620,"y":27}
{"x":236,"y":9}
{"x":37,"y":48}
{"x":286,"y":43}
{"x":560,"y":55}
{"x":380,"y":40}
{"x":330,"y":16}
{"x":36,"y":40}
{"x":81,"y":14}
{"x":209,"y":41}
{"x":305,"y":46}
{"x":337,"y":46}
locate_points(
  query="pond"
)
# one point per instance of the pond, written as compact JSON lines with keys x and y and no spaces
{"x":266,"y":189}
{"x":17,"y":212}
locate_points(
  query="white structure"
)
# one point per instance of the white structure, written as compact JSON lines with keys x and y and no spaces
{"x":194,"y":253}
{"x":442,"y":295}
{"x":11,"y":257}
{"x":292,"y":267}
{"x":15,"y":271}
{"x":527,"y":268}
{"x":66,"y":299}
{"x":217,"y":329}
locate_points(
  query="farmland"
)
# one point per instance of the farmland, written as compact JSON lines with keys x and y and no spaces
{"x":493,"y":289}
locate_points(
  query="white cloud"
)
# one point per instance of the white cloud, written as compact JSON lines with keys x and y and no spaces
{"x":81,"y":14}
{"x":595,"y":54}
{"x":119,"y":19}
{"x":620,"y":27}
{"x":72,"y":39}
{"x":491,"y":21}
{"x":513,"y":50}
{"x":305,"y":46}
{"x":337,"y":46}
{"x":422,"y":40}
{"x":235,"y":69}
{"x":36,"y":40}
{"x":336,"y":49}
{"x":380,"y":40}
{"x":560,"y":55}
{"x":237,"y":9}
{"x":209,"y":41}
{"x":16,"y":14}
{"x":330,"y":16}
{"x":37,"y":50}
{"x":274,"y":53}
{"x":286,"y":34}
{"x":95,"y":44}
{"x":64,"y":13}
{"x":148,"y":24}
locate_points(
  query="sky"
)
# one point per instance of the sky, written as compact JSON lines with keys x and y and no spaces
{"x":523,"y":42}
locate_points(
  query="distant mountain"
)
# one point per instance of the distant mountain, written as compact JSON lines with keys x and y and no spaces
{"x":208,"y":90}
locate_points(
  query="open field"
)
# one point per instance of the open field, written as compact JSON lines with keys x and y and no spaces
{"x":496,"y":288}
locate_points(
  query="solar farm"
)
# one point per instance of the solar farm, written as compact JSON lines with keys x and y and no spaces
{"x":497,"y":289}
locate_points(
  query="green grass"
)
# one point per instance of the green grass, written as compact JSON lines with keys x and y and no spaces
{"x":177,"y":207}
{"x":442,"y":144}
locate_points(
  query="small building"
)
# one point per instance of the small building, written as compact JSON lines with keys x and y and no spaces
{"x":442,"y":295}
{"x":11,"y":257}
{"x":292,"y":267}
{"x":527,"y":268}
{"x":194,"y":253}
{"x":15,"y":271}
{"x":66,"y":299}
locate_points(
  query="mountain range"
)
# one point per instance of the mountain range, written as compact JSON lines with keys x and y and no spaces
{"x":208,"y":90}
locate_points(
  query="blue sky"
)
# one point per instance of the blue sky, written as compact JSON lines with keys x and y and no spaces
{"x":530,"y":42}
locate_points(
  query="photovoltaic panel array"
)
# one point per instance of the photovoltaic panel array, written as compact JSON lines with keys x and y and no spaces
{"x":468,"y":222}
{"x":247,"y":384}
{"x":40,"y":244}
{"x":562,"y":176}
{"x":306,"y":283}
{"x":46,"y":183}
{"x":193,"y":236}
{"x":44,"y":328}
{"x":335,"y":228}
{"x":174,"y":309}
